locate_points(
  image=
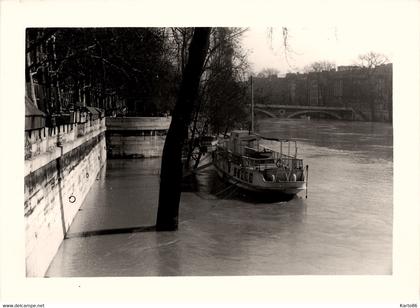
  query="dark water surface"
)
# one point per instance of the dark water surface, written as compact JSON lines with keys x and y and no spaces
{"x":344,"y":227}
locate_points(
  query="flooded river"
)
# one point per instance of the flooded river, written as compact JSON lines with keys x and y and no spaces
{"x":343,"y":227}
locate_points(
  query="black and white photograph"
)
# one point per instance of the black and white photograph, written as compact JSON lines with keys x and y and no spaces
{"x":217,"y":150}
{"x":164,"y":145}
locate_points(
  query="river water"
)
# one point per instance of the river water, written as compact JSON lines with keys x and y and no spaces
{"x":343,"y":227}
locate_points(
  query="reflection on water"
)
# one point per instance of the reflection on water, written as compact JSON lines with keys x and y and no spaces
{"x":344,"y":227}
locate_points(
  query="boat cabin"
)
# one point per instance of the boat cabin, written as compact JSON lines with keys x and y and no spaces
{"x":240,"y":140}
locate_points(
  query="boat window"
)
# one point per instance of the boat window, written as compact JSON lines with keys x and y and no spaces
{"x":250,"y":177}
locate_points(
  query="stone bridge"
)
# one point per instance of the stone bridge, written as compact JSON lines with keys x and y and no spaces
{"x":291,"y":111}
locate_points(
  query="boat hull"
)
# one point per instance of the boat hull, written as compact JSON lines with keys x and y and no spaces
{"x":253,"y":181}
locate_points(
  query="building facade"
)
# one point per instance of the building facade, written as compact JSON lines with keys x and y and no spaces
{"x":367,"y":91}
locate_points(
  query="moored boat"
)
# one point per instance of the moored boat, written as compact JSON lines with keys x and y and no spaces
{"x":245,"y":161}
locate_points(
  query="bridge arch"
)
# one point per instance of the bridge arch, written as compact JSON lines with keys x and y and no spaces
{"x":298,"y":113}
{"x":268,"y":113}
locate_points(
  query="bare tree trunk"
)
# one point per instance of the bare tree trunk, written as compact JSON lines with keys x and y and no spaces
{"x":28,"y":72}
{"x":191,"y":144}
{"x":171,"y":169}
{"x":31,"y":82}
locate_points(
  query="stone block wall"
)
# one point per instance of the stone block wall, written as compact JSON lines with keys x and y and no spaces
{"x":136,"y":137}
{"x":61,"y":164}
{"x":137,"y":146}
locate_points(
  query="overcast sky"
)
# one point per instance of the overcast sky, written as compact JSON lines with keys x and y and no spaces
{"x":340,"y":44}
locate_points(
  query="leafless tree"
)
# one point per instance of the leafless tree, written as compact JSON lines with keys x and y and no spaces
{"x":285,"y":44}
{"x":320,"y":66}
{"x":267,"y":72}
{"x":372,"y":60}
{"x":171,"y":169}
{"x":221,"y":99}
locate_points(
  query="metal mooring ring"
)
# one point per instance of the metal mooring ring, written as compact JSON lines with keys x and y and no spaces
{"x":72,"y":199}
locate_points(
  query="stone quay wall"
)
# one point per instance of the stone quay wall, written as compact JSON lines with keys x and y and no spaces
{"x":136,"y":137}
{"x":61,"y":164}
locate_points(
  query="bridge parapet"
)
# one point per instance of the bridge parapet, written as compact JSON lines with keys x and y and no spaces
{"x":291,"y":111}
{"x":138,"y":123}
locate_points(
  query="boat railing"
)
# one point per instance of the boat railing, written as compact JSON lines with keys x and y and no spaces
{"x":276,"y":159}
{"x":279,"y":161}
